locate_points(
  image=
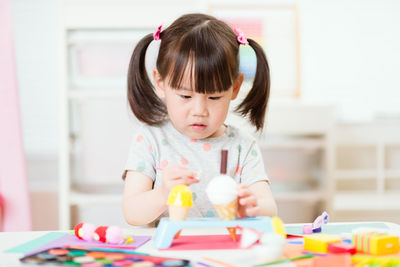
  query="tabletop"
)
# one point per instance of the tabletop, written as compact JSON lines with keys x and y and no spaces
{"x":12,"y":239}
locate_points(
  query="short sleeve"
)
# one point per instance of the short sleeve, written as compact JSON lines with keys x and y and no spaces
{"x":253,"y":169}
{"x":141,"y":156}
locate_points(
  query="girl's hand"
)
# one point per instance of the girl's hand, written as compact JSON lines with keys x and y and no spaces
{"x":248,"y":205}
{"x":175,"y":175}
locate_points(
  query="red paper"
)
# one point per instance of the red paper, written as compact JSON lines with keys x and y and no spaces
{"x":204,"y":242}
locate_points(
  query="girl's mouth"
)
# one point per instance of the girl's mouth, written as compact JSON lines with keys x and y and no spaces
{"x":198,"y":126}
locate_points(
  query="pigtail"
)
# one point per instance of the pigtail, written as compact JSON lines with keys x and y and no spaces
{"x":255,"y":103}
{"x":143,"y":101}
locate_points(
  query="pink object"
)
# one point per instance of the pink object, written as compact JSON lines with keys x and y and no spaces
{"x":156,"y":35}
{"x":204,"y":242}
{"x":87,"y":231}
{"x":114,"y":235}
{"x":241,"y":38}
{"x":307,"y":229}
{"x":341,"y":247}
{"x":16,"y":214}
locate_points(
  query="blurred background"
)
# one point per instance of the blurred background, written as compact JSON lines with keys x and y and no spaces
{"x":332,"y":135}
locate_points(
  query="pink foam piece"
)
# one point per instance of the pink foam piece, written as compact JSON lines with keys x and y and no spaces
{"x":307,"y":229}
{"x":205,"y":242}
{"x":13,"y":184}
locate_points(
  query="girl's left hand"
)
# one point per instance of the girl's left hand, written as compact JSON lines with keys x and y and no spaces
{"x":248,"y":205}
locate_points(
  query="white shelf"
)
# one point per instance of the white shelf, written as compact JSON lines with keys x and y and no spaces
{"x":366,"y":201}
{"x":392,"y":174}
{"x":355,"y":174}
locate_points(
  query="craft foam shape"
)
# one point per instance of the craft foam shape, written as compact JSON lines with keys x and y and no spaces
{"x":319,"y":242}
{"x":278,"y":226}
{"x":335,"y":260}
{"x":249,"y":237}
{"x":15,"y":211}
{"x":167,"y":229}
{"x":341,"y":247}
{"x":307,"y":229}
{"x":376,"y":243}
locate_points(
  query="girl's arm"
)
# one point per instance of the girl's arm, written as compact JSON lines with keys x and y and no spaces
{"x":256,"y":200}
{"x":141,"y":204}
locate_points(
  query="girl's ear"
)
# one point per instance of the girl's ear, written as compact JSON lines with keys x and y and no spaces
{"x":236,"y":85}
{"x":158,"y":84}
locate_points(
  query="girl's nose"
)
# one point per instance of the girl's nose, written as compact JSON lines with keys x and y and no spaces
{"x":200,"y":107}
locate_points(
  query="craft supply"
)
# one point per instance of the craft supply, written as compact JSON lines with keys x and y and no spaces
{"x":278,"y":226}
{"x":249,"y":236}
{"x":92,"y":257}
{"x":319,"y":242}
{"x":105,"y":234}
{"x":307,"y":229}
{"x":307,"y":256}
{"x":341,"y":247}
{"x":166,"y":228}
{"x":376,"y":243}
{"x":223,"y":194}
{"x":317,"y":230}
{"x":317,"y":224}
{"x":179,"y":202}
{"x":71,"y":240}
{"x":271,"y":247}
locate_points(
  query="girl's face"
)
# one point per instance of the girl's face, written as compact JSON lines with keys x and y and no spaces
{"x":196,"y":115}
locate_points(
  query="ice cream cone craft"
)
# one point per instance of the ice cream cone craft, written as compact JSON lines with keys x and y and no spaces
{"x":180,"y":200}
{"x":223,"y":194}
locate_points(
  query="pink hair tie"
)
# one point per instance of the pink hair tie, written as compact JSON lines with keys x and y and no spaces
{"x":156,"y":35}
{"x":240,"y":36}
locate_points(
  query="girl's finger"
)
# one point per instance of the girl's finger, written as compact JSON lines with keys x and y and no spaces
{"x":250,"y":200}
{"x":252,"y":211}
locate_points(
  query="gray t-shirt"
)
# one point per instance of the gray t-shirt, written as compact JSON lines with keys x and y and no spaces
{"x":155,"y":147}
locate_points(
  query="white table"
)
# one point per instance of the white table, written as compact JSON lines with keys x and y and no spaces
{"x":12,"y":239}
{"x":244,"y":257}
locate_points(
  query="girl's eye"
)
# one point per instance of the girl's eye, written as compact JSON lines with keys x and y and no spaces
{"x":214,"y":97}
{"x":185,"y":96}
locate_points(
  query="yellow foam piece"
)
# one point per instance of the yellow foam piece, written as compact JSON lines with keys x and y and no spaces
{"x":277,"y":224}
{"x":376,"y":243}
{"x":319,"y":242}
{"x":180,"y":195}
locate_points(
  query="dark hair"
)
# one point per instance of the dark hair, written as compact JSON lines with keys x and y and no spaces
{"x":211,"y":45}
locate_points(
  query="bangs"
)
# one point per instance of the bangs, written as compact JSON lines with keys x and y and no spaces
{"x":205,"y":60}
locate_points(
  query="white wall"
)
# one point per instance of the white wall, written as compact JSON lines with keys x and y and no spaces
{"x":36,"y":53}
{"x":350,"y":56}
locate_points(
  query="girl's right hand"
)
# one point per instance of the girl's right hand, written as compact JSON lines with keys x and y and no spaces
{"x":175,"y":175}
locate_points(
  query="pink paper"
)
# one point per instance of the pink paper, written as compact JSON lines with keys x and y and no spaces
{"x":204,"y":242}
{"x":15,"y":209}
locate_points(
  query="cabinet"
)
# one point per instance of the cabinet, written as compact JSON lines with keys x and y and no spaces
{"x":367,"y":171}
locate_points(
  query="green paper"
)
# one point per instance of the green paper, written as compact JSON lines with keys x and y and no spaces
{"x":35,"y":243}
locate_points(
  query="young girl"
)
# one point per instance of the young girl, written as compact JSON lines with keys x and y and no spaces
{"x":183,"y":115}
